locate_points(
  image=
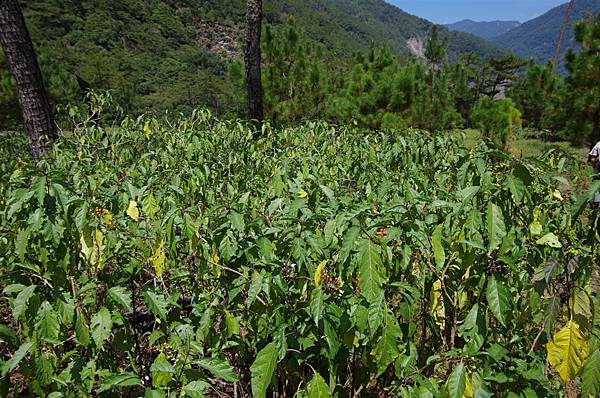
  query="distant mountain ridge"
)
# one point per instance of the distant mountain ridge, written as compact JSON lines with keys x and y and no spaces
{"x":537,"y":38}
{"x":484,"y":29}
{"x":345,"y":26}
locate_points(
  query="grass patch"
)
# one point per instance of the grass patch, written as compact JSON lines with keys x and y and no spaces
{"x":529,"y":147}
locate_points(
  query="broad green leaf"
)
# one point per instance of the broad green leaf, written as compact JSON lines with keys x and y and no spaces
{"x":133,"y":211}
{"x":156,"y":303}
{"x":237,"y":221}
{"x":551,"y":314}
{"x":376,"y":315}
{"x":386,"y":351}
{"x":228,"y":247}
{"x":233,"y":324}
{"x":516,"y":187}
{"x":255,"y":288}
{"x":101,"y":326}
{"x":262,"y":370}
{"x":457,"y":382}
{"x":162,"y":371}
{"x":438,"y":248}
{"x":220,"y":368}
{"x":317,"y":388}
{"x":149,"y":205}
{"x":498,"y":297}
{"x":580,"y":303}
{"x":16,"y":358}
{"x":370,"y":271}
{"x":150,"y":393}
{"x":468,"y":193}
{"x":590,"y":378}
{"x":195,"y":389}
{"x":21,"y":302}
{"x":121,"y":296}
{"x":21,"y":243}
{"x":113,"y":381}
{"x":316,"y":304}
{"x":47,"y":323}
{"x":44,"y":368}
{"x":348,"y":243}
{"x":82,"y":331}
{"x":568,"y":351}
{"x":549,"y":240}
{"x":496,"y":230}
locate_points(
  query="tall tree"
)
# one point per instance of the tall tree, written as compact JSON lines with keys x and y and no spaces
{"x":253,"y":59}
{"x":583,"y":83}
{"x":536,"y":94}
{"x":23,"y":65}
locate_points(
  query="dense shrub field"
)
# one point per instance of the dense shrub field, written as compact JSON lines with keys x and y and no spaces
{"x":186,"y":258}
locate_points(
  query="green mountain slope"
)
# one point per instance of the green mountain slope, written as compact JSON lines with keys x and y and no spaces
{"x":348,"y":25}
{"x":486,"y":30}
{"x":175,"y":55}
{"x":537,"y":38}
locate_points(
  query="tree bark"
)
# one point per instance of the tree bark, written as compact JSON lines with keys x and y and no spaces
{"x":253,"y":59}
{"x":23,"y":65}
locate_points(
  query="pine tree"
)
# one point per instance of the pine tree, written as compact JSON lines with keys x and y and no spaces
{"x":583,"y":83}
{"x":535,"y":94}
{"x":253,"y":59}
{"x":497,"y":120}
{"x":23,"y":65}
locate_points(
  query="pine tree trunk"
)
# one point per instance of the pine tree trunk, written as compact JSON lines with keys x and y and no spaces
{"x":253,"y":59}
{"x":23,"y":65}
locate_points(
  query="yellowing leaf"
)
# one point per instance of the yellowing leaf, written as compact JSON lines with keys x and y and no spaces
{"x":158,"y":259}
{"x":468,"y":388}
{"x":133,"y":211}
{"x":147,"y":130}
{"x":556,"y":195}
{"x":319,"y":272}
{"x":568,"y":351}
{"x":535,"y":228}
{"x":92,"y":246}
{"x":550,"y":240}
{"x":437,"y":304}
{"x":107,"y":218}
{"x":214,"y":262}
{"x":302,"y":193}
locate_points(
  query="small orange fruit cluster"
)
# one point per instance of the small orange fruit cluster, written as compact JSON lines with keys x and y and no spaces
{"x":381,"y":233}
{"x":331,"y":283}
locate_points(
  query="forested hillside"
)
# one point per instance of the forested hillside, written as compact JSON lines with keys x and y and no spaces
{"x":485,"y":29}
{"x":176,"y":54}
{"x":537,"y":38}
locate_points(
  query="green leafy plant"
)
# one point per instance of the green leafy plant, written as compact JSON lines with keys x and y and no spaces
{"x":181,"y":257}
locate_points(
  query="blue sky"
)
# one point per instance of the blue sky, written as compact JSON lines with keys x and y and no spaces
{"x":448,"y":11}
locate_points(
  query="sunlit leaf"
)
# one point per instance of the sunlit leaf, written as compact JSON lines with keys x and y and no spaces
{"x":317,"y":388}
{"x":568,"y":351}
{"x":370,"y":271}
{"x":262,"y":370}
{"x":158,"y":259}
{"x":319,"y":272}
{"x":498,"y":297}
{"x":133,"y":211}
